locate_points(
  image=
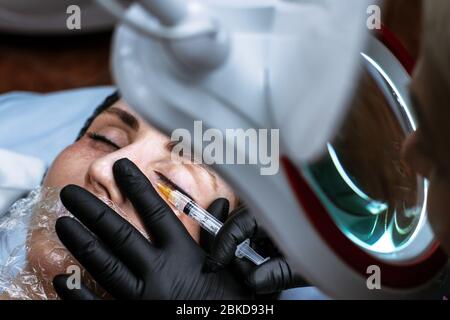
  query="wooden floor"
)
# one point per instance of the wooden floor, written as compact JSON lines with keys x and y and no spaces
{"x":47,"y":64}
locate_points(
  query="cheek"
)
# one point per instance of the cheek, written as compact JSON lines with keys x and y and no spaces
{"x":46,"y":256}
{"x":69,"y":167}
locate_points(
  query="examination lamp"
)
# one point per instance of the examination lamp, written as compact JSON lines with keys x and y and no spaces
{"x":340,"y":207}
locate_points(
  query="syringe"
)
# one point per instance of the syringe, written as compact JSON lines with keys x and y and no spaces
{"x":206,"y":220}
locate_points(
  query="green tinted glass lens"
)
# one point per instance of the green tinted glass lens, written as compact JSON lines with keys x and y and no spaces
{"x":361,"y":179}
{"x":380,"y":225}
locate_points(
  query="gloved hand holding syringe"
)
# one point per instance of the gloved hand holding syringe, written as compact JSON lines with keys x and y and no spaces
{"x":206,"y":220}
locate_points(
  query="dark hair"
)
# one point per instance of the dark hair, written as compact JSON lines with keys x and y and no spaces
{"x":108,"y":102}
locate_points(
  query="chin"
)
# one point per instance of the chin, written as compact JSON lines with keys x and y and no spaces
{"x":47,"y":258}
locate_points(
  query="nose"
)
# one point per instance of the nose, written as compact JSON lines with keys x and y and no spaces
{"x":100,"y":176}
{"x":100,"y":179}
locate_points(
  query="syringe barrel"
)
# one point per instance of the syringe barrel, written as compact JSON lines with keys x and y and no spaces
{"x":206,"y":220}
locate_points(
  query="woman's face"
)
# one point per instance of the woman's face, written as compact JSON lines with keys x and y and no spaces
{"x":119,"y":133}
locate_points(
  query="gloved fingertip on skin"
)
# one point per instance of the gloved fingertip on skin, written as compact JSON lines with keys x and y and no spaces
{"x":60,"y":280}
{"x":129,"y":178}
{"x":122,"y":167}
{"x":61,"y":224}
{"x":219,"y":209}
{"x":60,"y":285}
{"x":68,"y":193}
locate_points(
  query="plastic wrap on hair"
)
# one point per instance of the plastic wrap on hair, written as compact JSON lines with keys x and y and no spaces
{"x":31,"y":253}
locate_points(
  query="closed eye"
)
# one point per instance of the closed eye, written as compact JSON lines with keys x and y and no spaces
{"x":171,"y":145}
{"x":98,"y":137}
{"x":172,"y":184}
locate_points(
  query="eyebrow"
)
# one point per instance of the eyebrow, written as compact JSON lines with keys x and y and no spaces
{"x":124,"y":116}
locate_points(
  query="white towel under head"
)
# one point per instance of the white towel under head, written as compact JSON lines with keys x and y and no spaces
{"x":18,"y":175}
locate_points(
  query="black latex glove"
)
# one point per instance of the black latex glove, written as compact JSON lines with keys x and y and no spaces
{"x":123,"y":261}
{"x":273,"y":276}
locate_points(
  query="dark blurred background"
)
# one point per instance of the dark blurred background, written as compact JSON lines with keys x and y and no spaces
{"x":45,"y":64}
